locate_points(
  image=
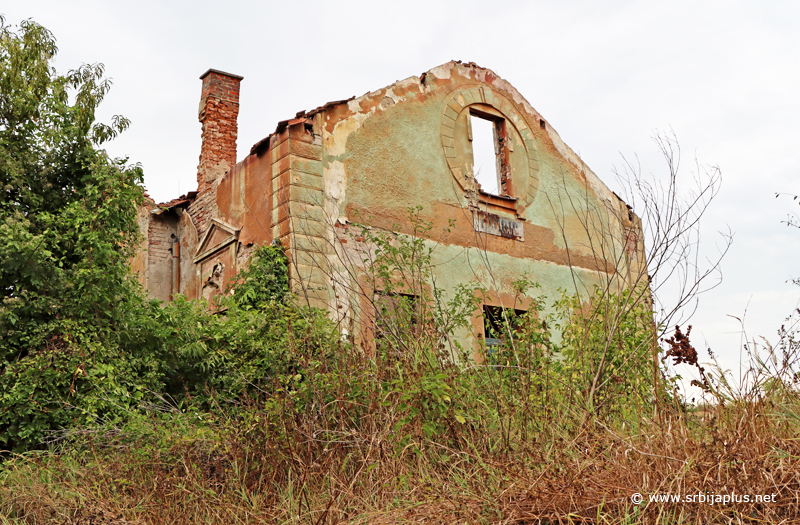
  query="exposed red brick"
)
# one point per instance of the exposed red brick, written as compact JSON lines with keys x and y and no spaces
{"x":219,"y":109}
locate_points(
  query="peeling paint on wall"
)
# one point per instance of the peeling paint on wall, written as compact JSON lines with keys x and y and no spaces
{"x":369,"y":159}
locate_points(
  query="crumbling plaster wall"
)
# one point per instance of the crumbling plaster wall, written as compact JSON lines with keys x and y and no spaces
{"x":368,"y":160}
{"x":386,"y":152}
{"x":388,"y":156}
{"x":139,"y":260}
{"x":189,"y":279}
{"x":161,"y":233}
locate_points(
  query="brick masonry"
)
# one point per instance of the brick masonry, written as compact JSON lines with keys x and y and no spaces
{"x":160,"y":237}
{"x":219,"y":110}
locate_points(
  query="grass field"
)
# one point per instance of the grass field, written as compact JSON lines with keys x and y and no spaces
{"x":416,"y":440}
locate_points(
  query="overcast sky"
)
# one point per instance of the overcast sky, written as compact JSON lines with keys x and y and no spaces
{"x":724,"y":76}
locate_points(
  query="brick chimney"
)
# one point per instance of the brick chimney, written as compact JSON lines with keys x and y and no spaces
{"x":219,"y":108}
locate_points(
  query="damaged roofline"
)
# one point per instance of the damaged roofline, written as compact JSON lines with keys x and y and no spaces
{"x":443,"y":71}
{"x":305,"y":117}
{"x":302,"y":117}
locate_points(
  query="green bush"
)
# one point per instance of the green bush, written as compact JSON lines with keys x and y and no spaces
{"x":67,"y":231}
{"x":607,"y":351}
{"x":79,"y":343}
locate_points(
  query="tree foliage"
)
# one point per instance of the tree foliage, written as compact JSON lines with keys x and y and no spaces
{"x":79,"y":342}
{"x":67,"y":211}
{"x":68,"y":227}
{"x":265,"y":280}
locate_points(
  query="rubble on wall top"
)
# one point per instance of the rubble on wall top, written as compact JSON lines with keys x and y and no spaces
{"x":328,"y":106}
{"x":183,"y":200}
{"x":304,"y":117}
{"x":468,"y":64}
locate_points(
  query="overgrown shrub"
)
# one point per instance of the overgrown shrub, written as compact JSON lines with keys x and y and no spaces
{"x":67,"y":231}
{"x":608,"y":345}
{"x":79,"y":343}
{"x":258,"y":337}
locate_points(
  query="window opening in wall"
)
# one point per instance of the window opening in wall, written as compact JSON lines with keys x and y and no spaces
{"x":484,"y":154}
{"x":396,"y":316}
{"x":498,"y":324}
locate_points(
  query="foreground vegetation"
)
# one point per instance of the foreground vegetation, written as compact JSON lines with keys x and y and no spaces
{"x":115,"y":409}
{"x":336,"y":436}
{"x":281,"y":420}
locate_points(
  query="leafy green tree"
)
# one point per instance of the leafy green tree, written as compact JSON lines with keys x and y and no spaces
{"x":68,"y":227}
{"x":265,"y":280}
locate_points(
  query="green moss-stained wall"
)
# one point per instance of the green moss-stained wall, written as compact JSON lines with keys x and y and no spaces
{"x":369,"y":159}
{"x":408,"y":145}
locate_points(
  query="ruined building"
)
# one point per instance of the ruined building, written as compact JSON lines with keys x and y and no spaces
{"x":532,"y":208}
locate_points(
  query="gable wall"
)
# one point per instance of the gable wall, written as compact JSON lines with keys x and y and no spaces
{"x":401,"y":147}
{"x":368,"y":160}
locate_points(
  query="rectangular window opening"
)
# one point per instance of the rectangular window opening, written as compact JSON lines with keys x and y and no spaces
{"x":395,"y":314}
{"x":498,"y":322}
{"x":484,"y":154}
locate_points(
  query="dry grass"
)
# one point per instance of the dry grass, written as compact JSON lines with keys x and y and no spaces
{"x":173,"y":470}
{"x":416,"y":439}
